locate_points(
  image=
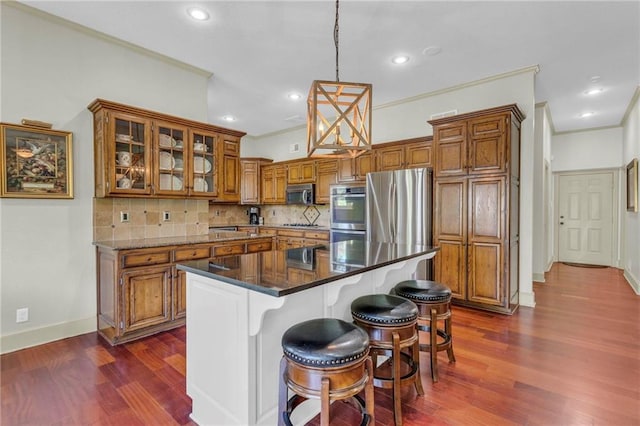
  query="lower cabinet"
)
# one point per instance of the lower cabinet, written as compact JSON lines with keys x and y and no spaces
{"x":140,"y":292}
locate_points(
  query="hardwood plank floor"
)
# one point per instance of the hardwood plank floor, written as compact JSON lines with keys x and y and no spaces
{"x":573,"y":360}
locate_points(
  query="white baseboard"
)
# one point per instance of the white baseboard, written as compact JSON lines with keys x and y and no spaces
{"x":539,"y":278}
{"x":633,"y":281}
{"x":527,"y":299}
{"x":39,"y":336}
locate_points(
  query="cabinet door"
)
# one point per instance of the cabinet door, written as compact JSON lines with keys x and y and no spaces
{"x":365,"y":163}
{"x":487,"y":226}
{"x":268,"y":185}
{"x":346,"y":170}
{"x":391,"y":158}
{"x":449,"y":141}
{"x":128,"y":144}
{"x":169,"y":155}
{"x":487,"y":145}
{"x":203,"y":165}
{"x":280,"y":185}
{"x":418,"y":155}
{"x":450,"y":234}
{"x":229,"y":173}
{"x":179,"y":294}
{"x":250,"y":182}
{"x":327,"y":176}
{"x":147,"y":294}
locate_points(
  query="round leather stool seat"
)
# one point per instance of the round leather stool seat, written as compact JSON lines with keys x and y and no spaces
{"x":325,"y":342}
{"x":383,"y":309}
{"x":326,"y":359}
{"x":423,"y":290}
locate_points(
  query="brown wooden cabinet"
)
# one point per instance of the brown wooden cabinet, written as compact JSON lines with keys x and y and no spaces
{"x":251,"y":179}
{"x":327,"y":176}
{"x":301,"y":172}
{"x":356,"y":169}
{"x":274,"y":184}
{"x":141,"y":153}
{"x":407,"y":154}
{"x":476,"y":219}
{"x":141,"y":292}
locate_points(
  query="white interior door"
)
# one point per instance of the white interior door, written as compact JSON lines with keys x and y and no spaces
{"x":585,"y":218}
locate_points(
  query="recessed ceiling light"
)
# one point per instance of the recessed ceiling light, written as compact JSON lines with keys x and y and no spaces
{"x":595,"y":79}
{"x":294,"y":96}
{"x":587,"y":114}
{"x":198,"y":14}
{"x":400,"y":59}
{"x":229,"y":118}
{"x":593,"y":91}
{"x":432,"y":50}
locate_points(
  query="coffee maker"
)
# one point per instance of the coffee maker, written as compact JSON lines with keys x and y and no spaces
{"x":254,"y":215}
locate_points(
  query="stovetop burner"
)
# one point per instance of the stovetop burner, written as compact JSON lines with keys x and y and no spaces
{"x":301,"y":224}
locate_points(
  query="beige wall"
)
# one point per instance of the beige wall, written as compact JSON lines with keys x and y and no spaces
{"x":631,"y":221}
{"x":50,"y":72}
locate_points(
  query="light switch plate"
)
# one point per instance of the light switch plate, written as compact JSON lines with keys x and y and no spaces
{"x":124,"y":216}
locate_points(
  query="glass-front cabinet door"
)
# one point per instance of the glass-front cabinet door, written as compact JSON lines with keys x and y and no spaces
{"x":130,"y":157}
{"x":203,"y":166}
{"x":171,"y":176}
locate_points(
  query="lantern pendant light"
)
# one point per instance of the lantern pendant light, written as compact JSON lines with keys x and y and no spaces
{"x":338,"y":115}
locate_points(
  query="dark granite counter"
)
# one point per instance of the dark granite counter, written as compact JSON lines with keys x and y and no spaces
{"x":211,"y":237}
{"x":281,"y":272}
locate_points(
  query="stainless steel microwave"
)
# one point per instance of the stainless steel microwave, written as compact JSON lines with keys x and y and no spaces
{"x":301,"y":194}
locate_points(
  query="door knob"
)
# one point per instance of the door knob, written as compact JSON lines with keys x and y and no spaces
{"x":561,"y":223}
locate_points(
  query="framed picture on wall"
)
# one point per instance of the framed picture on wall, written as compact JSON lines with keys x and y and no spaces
{"x":35,"y":162}
{"x":632,"y":185}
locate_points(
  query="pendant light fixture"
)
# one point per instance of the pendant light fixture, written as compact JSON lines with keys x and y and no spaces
{"x":338,"y":115}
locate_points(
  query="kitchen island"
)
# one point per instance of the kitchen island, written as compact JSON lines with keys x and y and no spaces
{"x":240,"y":306}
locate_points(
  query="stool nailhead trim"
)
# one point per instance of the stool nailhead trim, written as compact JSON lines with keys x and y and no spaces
{"x":384,"y":320}
{"x":305,"y":361}
{"x":430,"y":298}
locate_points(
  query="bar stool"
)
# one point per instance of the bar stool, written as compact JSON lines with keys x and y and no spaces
{"x":434,"y":302}
{"x":391,"y":323}
{"x":326,"y":359}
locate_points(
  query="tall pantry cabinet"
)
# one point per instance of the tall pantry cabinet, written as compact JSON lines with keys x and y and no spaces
{"x":476,"y":200}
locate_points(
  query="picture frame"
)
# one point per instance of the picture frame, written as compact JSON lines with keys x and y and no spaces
{"x":632,"y":185}
{"x":35,"y":162}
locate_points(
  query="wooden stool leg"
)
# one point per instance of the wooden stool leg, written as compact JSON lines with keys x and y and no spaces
{"x":397,"y":376}
{"x":447,"y":328}
{"x":416,"y":359}
{"x":283,"y":395}
{"x":368,"y":391}
{"x":324,"y":402}
{"x":433,"y":334}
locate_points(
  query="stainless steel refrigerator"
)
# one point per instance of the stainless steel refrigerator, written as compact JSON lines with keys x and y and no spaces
{"x":399,"y":210}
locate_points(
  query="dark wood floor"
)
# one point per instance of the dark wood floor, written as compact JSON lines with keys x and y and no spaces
{"x":573,"y":360}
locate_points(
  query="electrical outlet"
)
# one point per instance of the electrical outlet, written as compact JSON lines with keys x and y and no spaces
{"x":166,"y":216}
{"x":22,"y":315}
{"x":273,"y":213}
{"x":217,"y":212}
{"x":124,"y":216}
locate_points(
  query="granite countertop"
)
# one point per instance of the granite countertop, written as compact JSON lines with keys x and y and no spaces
{"x":315,"y":265}
{"x":211,"y":237}
{"x":282,"y":226}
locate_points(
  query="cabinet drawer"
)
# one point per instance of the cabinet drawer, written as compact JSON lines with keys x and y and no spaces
{"x":269,"y":231}
{"x":317,"y":235}
{"x":230,"y":249}
{"x":145,"y":258}
{"x":258,"y":246}
{"x":290,"y":233}
{"x":191,"y":253}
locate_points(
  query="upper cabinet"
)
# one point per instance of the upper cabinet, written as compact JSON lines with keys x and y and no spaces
{"x":407,"y":154}
{"x":356,"y":169}
{"x":273,"y":184}
{"x":301,"y":172}
{"x":250,"y":179}
{"x":145,"y":153}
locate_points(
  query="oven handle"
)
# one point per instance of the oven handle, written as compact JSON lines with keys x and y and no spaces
{"x":342,"y":231}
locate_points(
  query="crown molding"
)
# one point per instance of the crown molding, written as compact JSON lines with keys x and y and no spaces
{"x":632,"y":103}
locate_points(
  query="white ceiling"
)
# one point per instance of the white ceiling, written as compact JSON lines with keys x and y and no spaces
{"x":259,"y":51}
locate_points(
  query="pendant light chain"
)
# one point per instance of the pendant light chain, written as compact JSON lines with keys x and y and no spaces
{"x":336,"y":41}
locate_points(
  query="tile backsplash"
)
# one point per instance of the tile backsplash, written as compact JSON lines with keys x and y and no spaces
{"x":146,"y":218}
{"x":186,"y":217}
